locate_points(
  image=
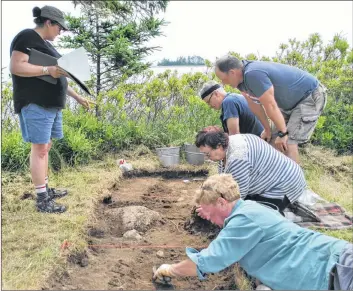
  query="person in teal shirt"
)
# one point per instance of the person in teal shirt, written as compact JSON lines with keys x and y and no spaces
{"x":279,"y":253}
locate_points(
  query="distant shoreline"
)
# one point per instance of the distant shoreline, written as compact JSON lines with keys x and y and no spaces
{"x":186,"y":65}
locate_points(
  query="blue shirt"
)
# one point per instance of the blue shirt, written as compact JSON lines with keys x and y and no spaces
{"x":236,"y":106}
{"x":291,"y":85}
{"x":270,"y":248}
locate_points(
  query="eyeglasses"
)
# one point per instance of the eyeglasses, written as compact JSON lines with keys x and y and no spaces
{"x":209,"y":100}
{"x":207,"y":155}
{"x":58,"y":24}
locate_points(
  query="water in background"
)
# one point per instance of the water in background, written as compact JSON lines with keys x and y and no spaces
{"x":180,"y":69}
{"x":139,"y":78}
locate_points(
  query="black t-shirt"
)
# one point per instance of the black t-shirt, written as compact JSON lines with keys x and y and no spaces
{"x":31,"y":89}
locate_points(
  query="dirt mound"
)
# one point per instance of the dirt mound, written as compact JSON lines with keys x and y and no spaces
{"x":198,"y":226}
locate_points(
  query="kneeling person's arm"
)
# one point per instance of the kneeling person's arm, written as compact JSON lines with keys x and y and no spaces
{"x":233,"y":126}
{"x":234,"y":241}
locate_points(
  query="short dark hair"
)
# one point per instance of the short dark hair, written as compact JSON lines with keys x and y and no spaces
{"x":227,"y":63}
{"x":212,"y":136}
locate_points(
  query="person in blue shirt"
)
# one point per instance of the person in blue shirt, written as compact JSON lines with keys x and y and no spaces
{"x":292,"y":99}
{"x":236,"y":116}
{"x":279,"y":253}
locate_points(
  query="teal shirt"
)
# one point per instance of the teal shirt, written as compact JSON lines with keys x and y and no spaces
{"x":270,"y":248}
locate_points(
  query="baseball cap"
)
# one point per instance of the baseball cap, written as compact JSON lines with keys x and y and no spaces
{"x":54,"y":14}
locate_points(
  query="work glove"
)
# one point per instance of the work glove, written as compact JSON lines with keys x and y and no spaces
{"x":164,"y":273}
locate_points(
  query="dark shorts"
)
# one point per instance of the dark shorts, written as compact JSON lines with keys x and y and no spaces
{"x":39,"y":124}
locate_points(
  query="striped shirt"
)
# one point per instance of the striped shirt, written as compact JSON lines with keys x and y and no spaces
{"x":260,"y":169}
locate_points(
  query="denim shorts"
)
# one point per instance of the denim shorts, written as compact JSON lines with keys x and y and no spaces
{"x":39,"y":124}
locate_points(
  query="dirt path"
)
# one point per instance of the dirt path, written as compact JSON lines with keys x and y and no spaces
{"x":114,"y":263}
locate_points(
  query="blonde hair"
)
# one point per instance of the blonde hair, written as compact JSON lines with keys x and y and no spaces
{"x":221,"y":185}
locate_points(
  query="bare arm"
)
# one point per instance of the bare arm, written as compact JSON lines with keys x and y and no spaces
{"x":72,"y":93}
{"x":19,"y":66}
{"x":258,"y":111}
{"x":83,"y":101}
{"x":185,"y":268}
{"x":268,"y":101}
{"x":233,"y":126}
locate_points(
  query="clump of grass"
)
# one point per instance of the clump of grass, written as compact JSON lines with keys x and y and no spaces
{"x":329,"y":176}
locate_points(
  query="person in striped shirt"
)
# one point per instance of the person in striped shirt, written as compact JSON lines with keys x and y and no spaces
{"x":264,"y":174}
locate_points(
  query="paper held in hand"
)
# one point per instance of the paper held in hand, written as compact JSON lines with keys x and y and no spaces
{"x":74,"y":63}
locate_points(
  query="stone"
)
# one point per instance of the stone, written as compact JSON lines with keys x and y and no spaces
{"x":132,"y":234}
{"x":160,"y":254}
{"x":139,"y":218}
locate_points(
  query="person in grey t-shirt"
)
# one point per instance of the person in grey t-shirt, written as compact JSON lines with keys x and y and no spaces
{"x":293,"y":99}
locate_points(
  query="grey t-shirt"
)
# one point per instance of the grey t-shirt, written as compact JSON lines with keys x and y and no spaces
{"x":291,"y":85}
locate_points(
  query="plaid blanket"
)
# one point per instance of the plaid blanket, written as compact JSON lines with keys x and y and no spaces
{"x":321,"y":215}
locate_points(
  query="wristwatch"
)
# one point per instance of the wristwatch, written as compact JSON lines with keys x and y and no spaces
{"x":45,"y":71}
{"x":282,"y":134}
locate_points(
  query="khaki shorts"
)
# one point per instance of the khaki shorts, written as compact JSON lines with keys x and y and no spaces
{"x":302,"y":119}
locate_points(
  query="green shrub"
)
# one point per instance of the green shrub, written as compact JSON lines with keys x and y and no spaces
{"x":165,"y":110}
{"x":14,"y":151}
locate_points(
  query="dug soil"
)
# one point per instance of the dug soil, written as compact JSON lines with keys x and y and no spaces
{"x":113,"y":262}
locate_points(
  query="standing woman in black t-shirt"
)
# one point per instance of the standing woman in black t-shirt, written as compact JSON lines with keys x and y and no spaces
{"x":38,"y":102}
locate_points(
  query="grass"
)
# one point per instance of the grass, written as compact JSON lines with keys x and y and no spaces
{"x":31,"y":241}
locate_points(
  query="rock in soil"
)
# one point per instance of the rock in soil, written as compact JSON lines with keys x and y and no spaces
{"x":132,"y":234}
{"x":139,"y":218}
{"x":160,"y":254}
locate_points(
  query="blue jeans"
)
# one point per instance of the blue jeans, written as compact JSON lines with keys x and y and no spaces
{"x":39,"y":124}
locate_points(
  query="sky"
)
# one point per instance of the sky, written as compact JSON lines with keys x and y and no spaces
{"x":212,"y":28}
